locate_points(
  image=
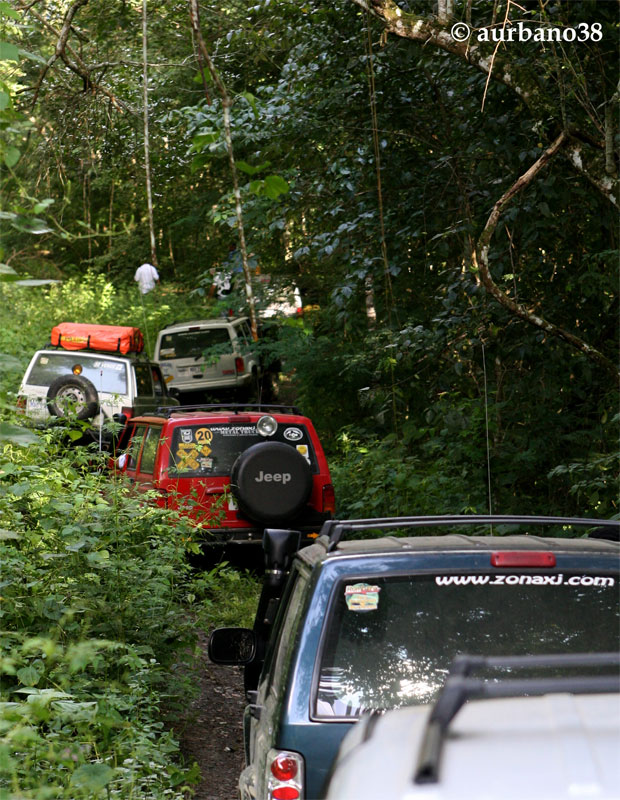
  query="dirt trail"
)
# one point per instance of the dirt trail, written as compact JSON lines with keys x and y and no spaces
{"x":213,"y":734}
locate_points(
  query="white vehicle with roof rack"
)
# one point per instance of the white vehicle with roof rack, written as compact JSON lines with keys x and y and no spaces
{"x":208,"y":354}
{"x":83,"y":376}
{"x":550,"y":737}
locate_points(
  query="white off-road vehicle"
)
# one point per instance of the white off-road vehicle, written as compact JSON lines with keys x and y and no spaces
{"x":552,"y":735}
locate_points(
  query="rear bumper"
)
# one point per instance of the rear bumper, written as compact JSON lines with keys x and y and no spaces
{"x":309,"y":530}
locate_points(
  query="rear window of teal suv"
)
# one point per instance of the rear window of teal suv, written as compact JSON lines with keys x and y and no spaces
{"x":347,"y":626}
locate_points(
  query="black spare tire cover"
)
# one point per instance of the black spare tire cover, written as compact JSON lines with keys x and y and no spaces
{"x":271,"y":482}
{"x":72,"y":396}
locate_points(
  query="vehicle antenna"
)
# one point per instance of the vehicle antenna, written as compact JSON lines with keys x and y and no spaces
{"x":486,"y":424}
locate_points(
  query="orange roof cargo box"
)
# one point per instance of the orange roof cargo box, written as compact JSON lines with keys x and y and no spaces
{"x":109,"y":338}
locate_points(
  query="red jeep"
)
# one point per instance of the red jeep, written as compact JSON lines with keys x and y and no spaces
{"x":234,"y":469}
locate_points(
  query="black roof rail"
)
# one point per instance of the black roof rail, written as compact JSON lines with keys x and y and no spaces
{"x":335,"y":529}
{"x":460,"y":687}
{"x":234,"y":408}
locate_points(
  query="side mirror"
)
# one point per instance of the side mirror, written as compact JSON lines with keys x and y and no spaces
{"x":122,"y":462}
{"x":232,"y":646}
{"x":279,"y":546}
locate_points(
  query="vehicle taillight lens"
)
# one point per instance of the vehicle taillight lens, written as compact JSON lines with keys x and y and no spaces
{"x":285,"y":793}
{"x":127,"y":411}
{"x":284,"y":768}
{"x":21,"y":403}
{"x":239,"y":365}
{"x":329,"y":498}
{"x":522,"y":558}
{"x":285,"y":775}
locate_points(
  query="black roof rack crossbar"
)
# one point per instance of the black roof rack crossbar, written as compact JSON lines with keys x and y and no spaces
{"x":460,"y":687}
{"x":335,"y":529}
{"x":235,"y":408}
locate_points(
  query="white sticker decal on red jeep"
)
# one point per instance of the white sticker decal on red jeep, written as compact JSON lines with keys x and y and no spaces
{"x":187,"y":434}
{"x":362,"y":597}
{"x":293,"y":434}
{"x":524,"y":580}
{"x":236,"y":430}
{"x":302,"y":449}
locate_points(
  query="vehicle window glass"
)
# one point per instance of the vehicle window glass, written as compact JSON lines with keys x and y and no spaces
{"x":244,"y":333}
{"x":144,"y":383}
{"x":211,"y":450}
{"x":390,"y":640}
{"x":279,"y":657}
{"x":195,"y":344}
{"x":107,"y":375}
{"x":135,"y":446}
{"x":149,"y":449}
{"x":158,"y":383}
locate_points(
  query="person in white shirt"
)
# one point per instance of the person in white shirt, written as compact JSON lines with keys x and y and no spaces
{"x":147,"y":277}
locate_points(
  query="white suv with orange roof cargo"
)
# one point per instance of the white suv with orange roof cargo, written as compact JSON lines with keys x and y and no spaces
{"x":94,"y":373}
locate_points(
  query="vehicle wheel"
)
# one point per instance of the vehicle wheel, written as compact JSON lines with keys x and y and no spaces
{"x":271,"y":482}
{"x":72,"y":396}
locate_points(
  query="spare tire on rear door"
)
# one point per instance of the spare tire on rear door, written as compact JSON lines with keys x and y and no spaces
{"x":72,"y":396}
{"x":271,"y":482}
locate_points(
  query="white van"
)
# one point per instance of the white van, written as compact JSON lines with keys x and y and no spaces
{"x":207,"y":354}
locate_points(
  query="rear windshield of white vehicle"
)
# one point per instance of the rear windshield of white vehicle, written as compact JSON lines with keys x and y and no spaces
{"x":106,"y":375}
{"x":391,"y":640}
{"x":195,"y":344}
{"x":211,"y":450}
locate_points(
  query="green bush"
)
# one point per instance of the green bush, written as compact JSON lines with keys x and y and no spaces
{"x":98,"y":617}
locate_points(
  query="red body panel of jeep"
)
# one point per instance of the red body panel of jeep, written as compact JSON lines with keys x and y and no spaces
{"x":209,"y":505}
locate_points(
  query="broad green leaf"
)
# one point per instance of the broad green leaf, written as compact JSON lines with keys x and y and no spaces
{"x":33,"y":225}
{"x":275,"y":186}
{"x":249,"y":169}
{"x":6,"y":10}
{"x":5,"y":100}
{"x":201,"y":140}
{"x":8,"y":52}
{"x":252,"y":101}
{"x":16,"y":435}
{"x":92,"y":777}
{"x":11,"y":156}
{"x":28,"y":676}
{"x":43,"y":204}
{"x":4,"y":534}
{"x":37,"y":282}
{"x":7,"y":274}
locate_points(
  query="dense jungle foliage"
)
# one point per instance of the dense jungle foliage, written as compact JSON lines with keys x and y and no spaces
{"x":449,"y":212}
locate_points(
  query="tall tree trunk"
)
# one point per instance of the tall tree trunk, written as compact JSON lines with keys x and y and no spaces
{"x":147,"y":150}
{"x":226,"y":104}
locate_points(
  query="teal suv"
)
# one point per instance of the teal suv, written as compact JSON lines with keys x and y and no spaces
{"x":349,"y":625}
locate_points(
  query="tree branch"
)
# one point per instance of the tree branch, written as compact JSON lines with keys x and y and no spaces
{"x":520,"y":80}
{"x":63,"y":36}
{"x":77,"y":65}
{"x":480,"y":259}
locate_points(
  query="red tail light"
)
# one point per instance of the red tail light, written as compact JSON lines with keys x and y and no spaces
{"x":522,"y":558}
{"x":239,"y":365}
{"x":329,"y":499}
{"x":285,"y":775}
{"x":284,"y":768}
{"x":21,"y":403}
{"x":285,"y":793}
{"x":127,"y":411}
